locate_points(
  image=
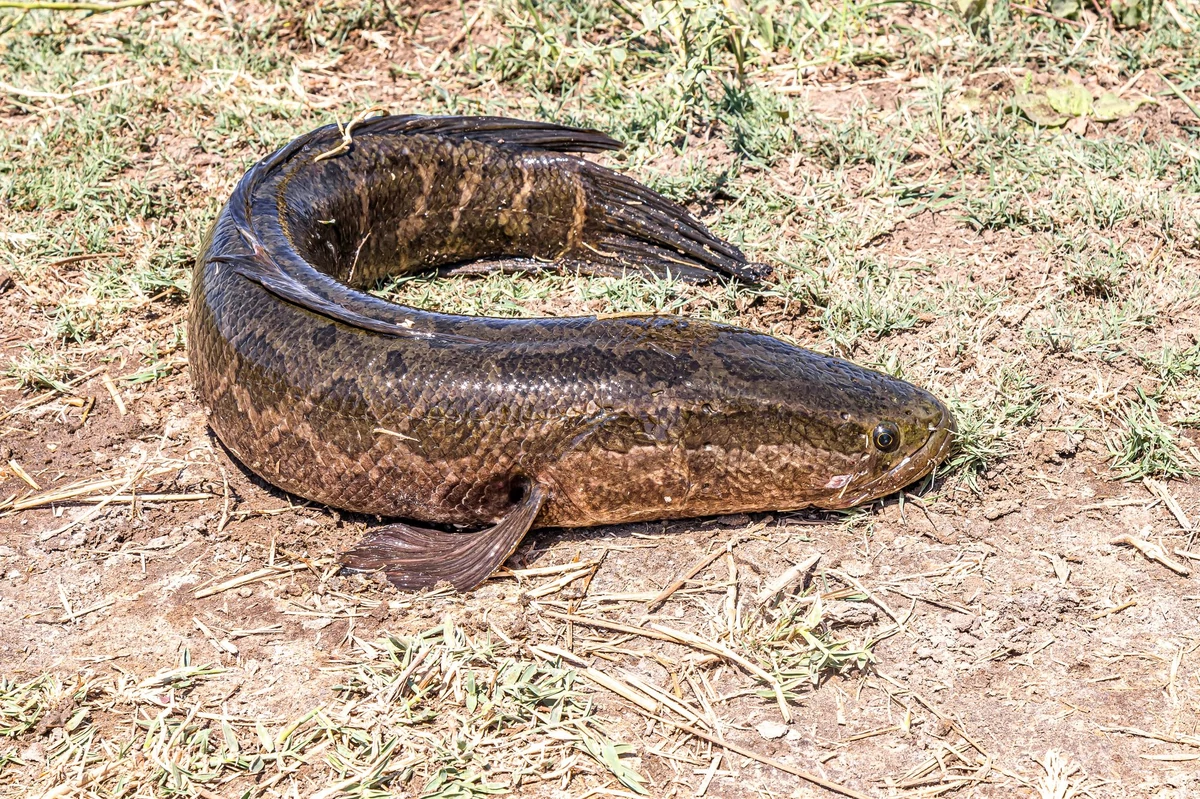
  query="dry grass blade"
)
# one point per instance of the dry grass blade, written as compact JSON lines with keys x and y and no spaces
{"x":623,"y":690}
{"x":111,"y":388}
{"x":1159,"y":489}
{"x":665,"y":699}
{"x":716,"y":648}
{"x":81,"y":490}
{"x":544,"y":571}
{"x":848,"y":580}
{"x":1126,"y":605}
{"x":554,"y":586}
{"x":138,"y":473}
{"x":75,"y":615}
{"x":604,"y":624}
{"x":126,"y":499}
{"x":828,"y":785}
{"x":44,"y":398}
{"x":780,"y":583}
{"x":667,"y":592}
{"x":23,"y":475}
{"x":936,"y":770}
{"x":90,"y":777}
{"x":348,"y":131}
{"x":95,"y":8}
{"x":1153,"y":552}
{"x":225,"y":499}
{"x":252,"y":577}
{"x":1183,"y":740}
{"x":1056,"y":783}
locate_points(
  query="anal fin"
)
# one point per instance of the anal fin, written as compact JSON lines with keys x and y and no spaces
{"x":414,"y":558}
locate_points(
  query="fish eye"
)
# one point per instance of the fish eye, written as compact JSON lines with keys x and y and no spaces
{"x":886,"y":437}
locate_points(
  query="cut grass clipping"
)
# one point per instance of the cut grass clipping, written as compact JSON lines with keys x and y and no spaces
{"x":452,"y":715}
{"x":438,"y":707}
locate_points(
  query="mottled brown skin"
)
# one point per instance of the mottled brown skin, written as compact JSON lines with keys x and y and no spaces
{"x":372,"y":407}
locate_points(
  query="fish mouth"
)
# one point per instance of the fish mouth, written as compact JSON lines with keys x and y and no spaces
{"x":912,"y":467}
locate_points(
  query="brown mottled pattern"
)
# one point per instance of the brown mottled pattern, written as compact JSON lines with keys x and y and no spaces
{"x":348,"y":400}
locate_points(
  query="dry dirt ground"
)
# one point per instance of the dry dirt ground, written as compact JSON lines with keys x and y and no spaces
{"x":1027,"y":626}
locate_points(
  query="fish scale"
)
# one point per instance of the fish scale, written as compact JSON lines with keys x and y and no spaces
{"x":508,"y":424}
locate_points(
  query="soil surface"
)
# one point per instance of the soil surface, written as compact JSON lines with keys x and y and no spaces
{"x":1019,"y":644}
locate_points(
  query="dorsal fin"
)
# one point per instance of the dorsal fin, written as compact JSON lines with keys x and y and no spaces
{"x":501,"y":131}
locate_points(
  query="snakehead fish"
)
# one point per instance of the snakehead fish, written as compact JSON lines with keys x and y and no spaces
{"x":502,"y":425}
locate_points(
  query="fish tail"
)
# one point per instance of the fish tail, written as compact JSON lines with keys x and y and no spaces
{"x":626,"y":227}
{"x":631,"y":227}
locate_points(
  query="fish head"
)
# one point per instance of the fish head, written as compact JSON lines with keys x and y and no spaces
{"x":889,"y":433}
{"x":823,"y":432}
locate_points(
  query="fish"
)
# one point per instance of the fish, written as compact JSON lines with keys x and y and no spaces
{"x":467,"y":432}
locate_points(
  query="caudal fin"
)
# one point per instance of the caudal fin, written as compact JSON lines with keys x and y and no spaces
{"x":630,"y":226}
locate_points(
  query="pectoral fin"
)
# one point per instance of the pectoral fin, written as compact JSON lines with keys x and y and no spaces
{"x":415,"y":557}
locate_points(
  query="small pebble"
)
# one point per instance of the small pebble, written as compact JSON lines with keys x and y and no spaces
{"x":962,"y":622}
{"x":998,"y":509}
{"x":856,"y":568}
{"x":771,"y":730}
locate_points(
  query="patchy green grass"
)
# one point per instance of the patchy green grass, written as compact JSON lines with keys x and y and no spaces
{"x":1146,"y":446}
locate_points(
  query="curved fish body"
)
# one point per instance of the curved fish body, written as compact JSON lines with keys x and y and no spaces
{"x":507,"y":424}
